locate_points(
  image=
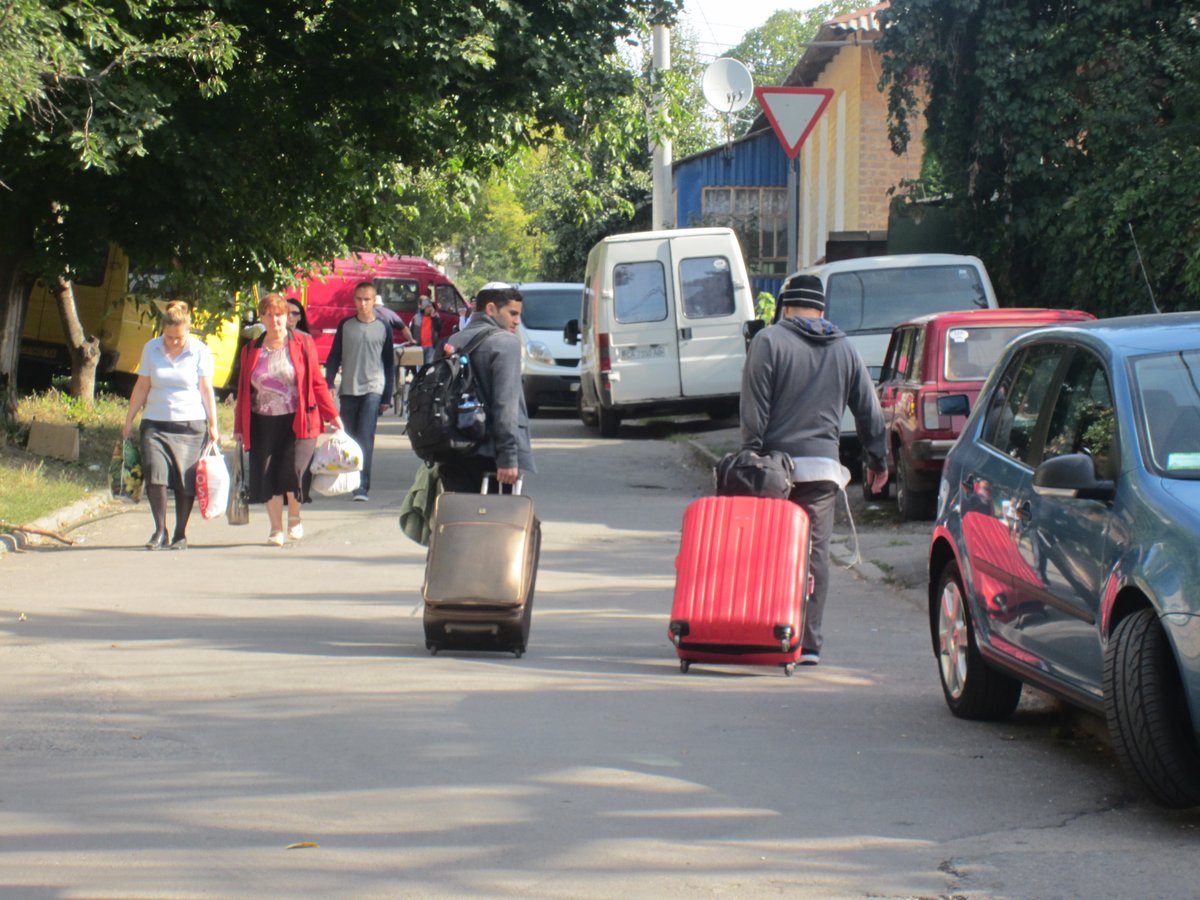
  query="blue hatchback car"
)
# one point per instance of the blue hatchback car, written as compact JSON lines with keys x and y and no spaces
{"x":1066,"y":551}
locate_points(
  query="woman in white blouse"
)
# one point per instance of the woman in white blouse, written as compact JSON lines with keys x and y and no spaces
{"x":174,"y":393}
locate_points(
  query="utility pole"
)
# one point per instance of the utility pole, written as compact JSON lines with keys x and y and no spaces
{"x":662,"y":209}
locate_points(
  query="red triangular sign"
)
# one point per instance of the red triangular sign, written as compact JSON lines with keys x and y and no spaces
{"x":792,"y":112}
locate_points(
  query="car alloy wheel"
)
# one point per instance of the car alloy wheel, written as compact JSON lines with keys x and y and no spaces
{"x":972,"y":688}
{"x":953,"y":640}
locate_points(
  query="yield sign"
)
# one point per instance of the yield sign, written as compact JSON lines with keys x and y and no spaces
{"x":792,"y":112}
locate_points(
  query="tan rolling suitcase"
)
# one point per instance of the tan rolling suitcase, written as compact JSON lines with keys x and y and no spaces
{"x":480,"y":572}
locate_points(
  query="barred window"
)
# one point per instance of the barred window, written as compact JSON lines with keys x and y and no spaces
{"x":759,"y":216}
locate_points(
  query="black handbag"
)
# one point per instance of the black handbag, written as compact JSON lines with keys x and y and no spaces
{"x":748,"y":473}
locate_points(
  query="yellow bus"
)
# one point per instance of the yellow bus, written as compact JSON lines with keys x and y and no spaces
{"x":123,"y":325}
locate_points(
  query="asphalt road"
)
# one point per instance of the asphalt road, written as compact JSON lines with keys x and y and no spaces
{"x":172,"y":723}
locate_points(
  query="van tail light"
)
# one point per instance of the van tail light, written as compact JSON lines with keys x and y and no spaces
{"x":931,"y":420}
{"x":605,"y":357}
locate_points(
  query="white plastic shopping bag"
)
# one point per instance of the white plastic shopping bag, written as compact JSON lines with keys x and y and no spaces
{"x":333,"y":483}
{"x":212,"y":483}
{"x":336,"y":453}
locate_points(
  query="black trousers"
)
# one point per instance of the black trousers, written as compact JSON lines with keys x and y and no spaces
{"x":465,"y":476}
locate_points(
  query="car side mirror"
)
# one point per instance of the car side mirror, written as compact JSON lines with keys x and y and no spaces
{"x":1072,"y":475}
{"x":751,"y":328}
{"x":571,"y":332}
{"x":954,"y":405}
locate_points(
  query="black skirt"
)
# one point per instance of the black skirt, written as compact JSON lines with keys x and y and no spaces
{"x":170,"y":451}
{"x":278,"y":461}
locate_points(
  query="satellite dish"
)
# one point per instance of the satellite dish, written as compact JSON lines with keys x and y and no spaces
{"x":727,"y":85}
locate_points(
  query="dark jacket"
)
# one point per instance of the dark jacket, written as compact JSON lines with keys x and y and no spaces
{"x":496,"y":365}
{"x":795,"y":385}
{"x":315,"y":404}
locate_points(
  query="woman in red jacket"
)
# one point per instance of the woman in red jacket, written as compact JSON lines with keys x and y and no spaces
{"x":282,"y":405}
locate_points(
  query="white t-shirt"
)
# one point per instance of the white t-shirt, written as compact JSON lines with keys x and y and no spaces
{"x":175,"y":383}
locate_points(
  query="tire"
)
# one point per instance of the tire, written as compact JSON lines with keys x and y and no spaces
{"x":972,"y":688}
{"x":532,"y":410}
{"x":1147,"y":712}
{"x":609,"y":421}
{"x":720,"y":411}
{"x":913,"y":505}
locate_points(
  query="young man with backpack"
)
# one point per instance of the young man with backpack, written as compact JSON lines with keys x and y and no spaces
{"x":495,"y":363}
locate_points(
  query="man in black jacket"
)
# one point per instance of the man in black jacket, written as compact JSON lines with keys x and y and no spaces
{"x":800,"y":374}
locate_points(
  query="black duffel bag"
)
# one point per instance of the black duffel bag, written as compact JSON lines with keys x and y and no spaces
{"x":748,"y":473}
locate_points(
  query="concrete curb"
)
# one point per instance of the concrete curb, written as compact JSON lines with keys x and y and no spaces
{"x":61,"y":520}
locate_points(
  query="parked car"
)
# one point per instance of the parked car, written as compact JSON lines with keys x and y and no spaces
{"x":867,"y":297}
{"x":549,"y":365}
{"x":1064,"y":554}
{"x":934,"y":357}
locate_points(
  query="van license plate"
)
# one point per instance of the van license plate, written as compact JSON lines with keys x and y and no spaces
{"x":652,"y":351}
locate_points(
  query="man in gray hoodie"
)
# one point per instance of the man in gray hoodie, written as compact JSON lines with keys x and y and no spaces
{"x":496,"y":366}
{"x":800,"y":374}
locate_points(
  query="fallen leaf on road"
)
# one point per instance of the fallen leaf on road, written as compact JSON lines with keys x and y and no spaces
{"x":303,"y":845}
{"x":21,"y":618}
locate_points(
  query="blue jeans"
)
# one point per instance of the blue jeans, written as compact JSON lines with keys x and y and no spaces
{"x":360,"y":414}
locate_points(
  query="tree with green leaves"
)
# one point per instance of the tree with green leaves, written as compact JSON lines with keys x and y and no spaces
{"x":319,"y":127}
{"x":1055,"y":128}
{"x":771,"y":50}
{"x":594,"y":179}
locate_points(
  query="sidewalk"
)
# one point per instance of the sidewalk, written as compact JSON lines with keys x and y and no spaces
{"x":91,"y":507}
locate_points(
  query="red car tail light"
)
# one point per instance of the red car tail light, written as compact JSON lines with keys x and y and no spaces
{"x":605,"y":357}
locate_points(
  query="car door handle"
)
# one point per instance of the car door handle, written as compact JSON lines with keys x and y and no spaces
{"x":685,"y":334}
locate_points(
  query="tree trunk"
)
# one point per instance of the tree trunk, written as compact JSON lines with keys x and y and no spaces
{"x":84,"y":349}
{"x":15,"y":287}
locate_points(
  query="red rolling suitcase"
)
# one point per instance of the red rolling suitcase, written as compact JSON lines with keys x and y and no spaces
{"x":741,"y":578}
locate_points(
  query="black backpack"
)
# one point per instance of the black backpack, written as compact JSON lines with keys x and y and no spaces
{"x":447,"y":417}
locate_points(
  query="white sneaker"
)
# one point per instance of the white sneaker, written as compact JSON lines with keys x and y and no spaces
{"x":276,"y":539}
{"x":295,"y":532}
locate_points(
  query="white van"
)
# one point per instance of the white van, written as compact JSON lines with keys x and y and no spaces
{"x":661,"y":330}
{"x":549,"y":365}
{"x":869,"y":296}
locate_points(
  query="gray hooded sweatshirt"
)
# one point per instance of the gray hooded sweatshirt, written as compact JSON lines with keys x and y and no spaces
{"x":795,"y":385}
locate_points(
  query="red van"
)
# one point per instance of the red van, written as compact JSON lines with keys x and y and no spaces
{"x":932,"y":373}
{"x":399,"y":280}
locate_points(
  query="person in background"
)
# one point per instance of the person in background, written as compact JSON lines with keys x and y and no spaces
{"x":363,"y":351}
{"x":282,"y":404}
{"x":427,"y":328}
{"x":496,"y":364}
{"x":392,"y":319}
{"x":174,"y":393}
{"x":799,"y":375}
{"x":297,"y":316}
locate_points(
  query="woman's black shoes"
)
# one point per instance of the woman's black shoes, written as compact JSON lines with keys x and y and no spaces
{"x":179,"y":544}
{"x":157,"y":541}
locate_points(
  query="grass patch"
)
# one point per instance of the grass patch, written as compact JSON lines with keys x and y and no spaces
{"x":33,"y":486}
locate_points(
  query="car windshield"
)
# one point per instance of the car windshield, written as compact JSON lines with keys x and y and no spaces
{"x":880,"y":299}
{"x":971,"y":351}
{"x":1168,"y":387}
{"x":550,"y":310}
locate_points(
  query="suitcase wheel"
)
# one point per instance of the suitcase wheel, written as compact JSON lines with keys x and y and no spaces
{"x":518,"y":652}
{"x":788,"y":669}
{"x":684,"y":665}
{"x":432,"y":648}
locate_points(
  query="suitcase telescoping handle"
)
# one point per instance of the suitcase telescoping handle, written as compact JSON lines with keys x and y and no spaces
{"x":486,"y":486}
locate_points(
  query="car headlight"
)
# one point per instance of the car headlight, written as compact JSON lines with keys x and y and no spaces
{"x":539,"y":352}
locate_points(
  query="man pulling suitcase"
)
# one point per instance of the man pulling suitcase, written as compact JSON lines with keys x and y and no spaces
{"x":483,"y":550}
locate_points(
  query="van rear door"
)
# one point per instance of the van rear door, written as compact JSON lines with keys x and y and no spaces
{"x":640,"y":321}
{"x":711,"y":346}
